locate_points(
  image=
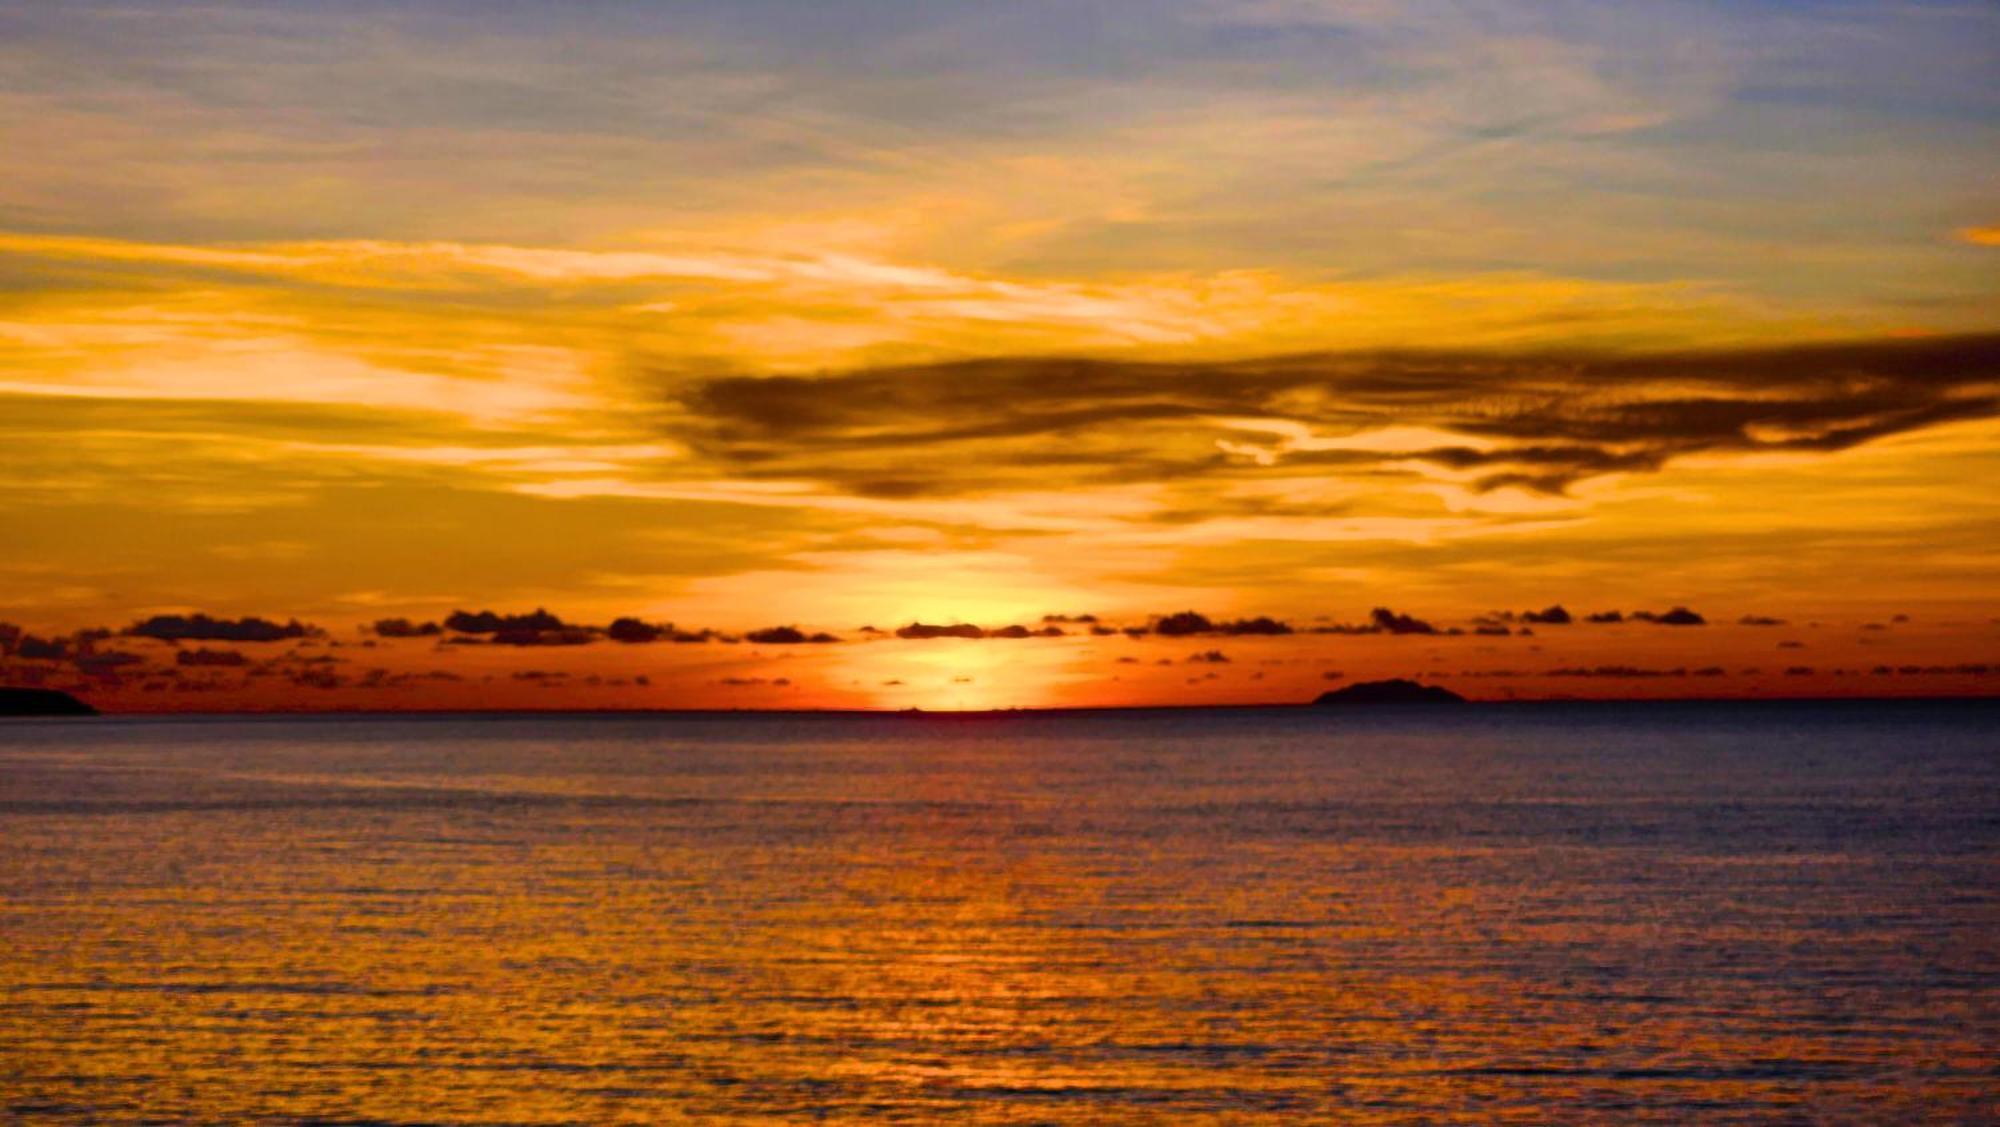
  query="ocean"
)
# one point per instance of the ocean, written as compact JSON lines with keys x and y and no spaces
{"x":1535,"y":913}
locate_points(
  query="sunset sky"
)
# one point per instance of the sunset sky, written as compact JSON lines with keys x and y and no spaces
{"x":1388,"y":323}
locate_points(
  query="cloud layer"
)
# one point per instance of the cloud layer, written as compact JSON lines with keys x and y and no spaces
{"x":1539,"y":421}
{"x":723,"y":327}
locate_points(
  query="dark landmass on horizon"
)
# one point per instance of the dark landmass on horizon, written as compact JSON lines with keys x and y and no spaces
{"x":1395,"y":691}
{"x":41,"y":702}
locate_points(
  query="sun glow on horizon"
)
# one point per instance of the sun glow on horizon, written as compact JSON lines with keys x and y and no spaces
{"x":956,"y":675}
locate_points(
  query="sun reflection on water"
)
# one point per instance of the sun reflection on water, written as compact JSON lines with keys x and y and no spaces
{"x":989,"y":919}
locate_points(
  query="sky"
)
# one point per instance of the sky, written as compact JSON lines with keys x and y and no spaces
{"x":1366,"y":332}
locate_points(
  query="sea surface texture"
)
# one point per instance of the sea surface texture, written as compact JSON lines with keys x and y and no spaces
{"x":1526,"y":912}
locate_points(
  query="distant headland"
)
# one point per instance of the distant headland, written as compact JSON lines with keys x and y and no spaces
{"x":1394,"y":691}
{"x":41,"y":702}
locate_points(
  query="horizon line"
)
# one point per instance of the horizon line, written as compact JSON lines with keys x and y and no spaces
{"x":1061,"y":710}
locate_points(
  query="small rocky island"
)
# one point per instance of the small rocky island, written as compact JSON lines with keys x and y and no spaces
{"x":41,"y":702}
{"x":1396,"y":691}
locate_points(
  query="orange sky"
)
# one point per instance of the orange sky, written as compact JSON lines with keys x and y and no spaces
{"x":737,"y":316}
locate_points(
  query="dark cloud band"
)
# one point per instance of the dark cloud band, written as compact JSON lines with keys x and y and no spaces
{"x":1540,"y":421}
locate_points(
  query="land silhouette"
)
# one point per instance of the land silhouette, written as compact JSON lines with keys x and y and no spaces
{"x":1395,"y":691}
{"x":41,"y":702}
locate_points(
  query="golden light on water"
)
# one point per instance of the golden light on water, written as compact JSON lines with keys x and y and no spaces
{"x":1213,"y":917}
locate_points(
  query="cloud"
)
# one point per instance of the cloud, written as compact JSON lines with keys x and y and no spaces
{"x":633,"y":631}
{"x":1760,"y":620}
{"x":106,"y":662}
{"x":1182,"y":623}
{"x":1209,"y":657}
{"x":813,"y":281}
{"x":1188,"y":623}
{"x":404,"y":628}
{"x":539,"y":628}
{"x":920,"y":631}
{"x":568,"y":636}
{"x":923,"y":631}
{"x":1679,"y":616}
{"x":1980,"y":236}
{"x":201,"y":627}
{"x":1632,"y":672}
{"x":206,"y":657}
{"x":1259,"y":625}
{"x":1389,"y":622}
{"x":1621,"y":672}
{"x":1540,"y":421}
{"x":1962,"y":669}
{"x":29,"y":647}
{"x":787,"y":636}
{"x":488,"y":622}
{"x":1382,"y":620}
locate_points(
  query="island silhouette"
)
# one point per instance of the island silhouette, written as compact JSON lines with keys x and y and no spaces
{"x":1396,"y":690}
{"x":41,"y":702}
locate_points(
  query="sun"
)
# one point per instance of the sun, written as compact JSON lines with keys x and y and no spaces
{"x":958,"y":675}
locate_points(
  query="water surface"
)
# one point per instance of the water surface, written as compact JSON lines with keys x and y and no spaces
{"x":1616,"y":913}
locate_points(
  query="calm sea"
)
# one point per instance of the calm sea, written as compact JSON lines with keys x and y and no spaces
{"x":1516,"y":912}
